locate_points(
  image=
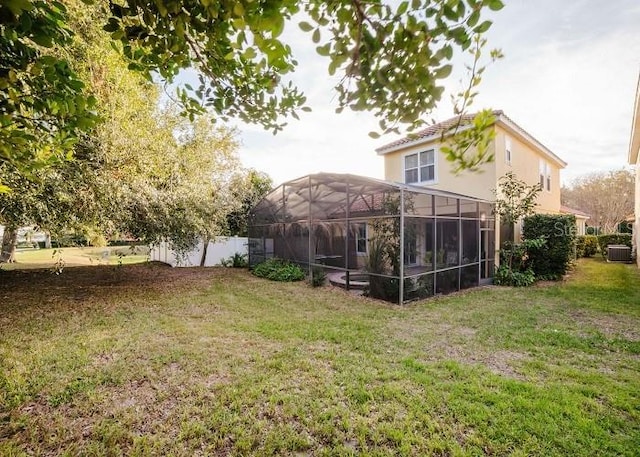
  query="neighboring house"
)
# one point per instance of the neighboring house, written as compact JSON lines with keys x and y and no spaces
{"x":581,"y":218}
{"x":418,"y":160}
{"x":634,"y":159}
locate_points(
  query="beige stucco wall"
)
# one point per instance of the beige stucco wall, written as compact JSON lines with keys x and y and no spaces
{"x":525,"y":162}
{"x":474,"y":184}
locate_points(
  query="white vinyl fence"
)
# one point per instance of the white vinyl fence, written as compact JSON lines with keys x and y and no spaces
{"x":221,"y":247}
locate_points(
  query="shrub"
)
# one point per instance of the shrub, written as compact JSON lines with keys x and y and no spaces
{"x":237,"y":260}
{"x":580,"y":246}
{"x":123,"y":242}
{"x":70,"y":240}
{"x":505,"y":276}
{"x":318,"y":277}
{"x":553,"y":259}
{"x":97,"y":240}
{"x":613,"y":238}
{"x":278,"y":270}
{"x":586,"y":245}
{"x":515,"y":265}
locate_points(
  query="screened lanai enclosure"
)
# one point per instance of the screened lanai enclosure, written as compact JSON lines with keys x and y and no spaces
{"x":397,"y":242}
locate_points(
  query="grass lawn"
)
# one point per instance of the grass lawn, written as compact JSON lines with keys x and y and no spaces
{"x":149,"y":360}
{"x":75,"y":257}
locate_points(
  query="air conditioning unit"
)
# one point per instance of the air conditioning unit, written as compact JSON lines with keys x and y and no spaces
{"x":618,"y":253}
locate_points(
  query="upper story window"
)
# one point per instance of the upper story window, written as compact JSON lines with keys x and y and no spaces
{"x":420,"y":167}
{"x":545,"y":175}
{"x":507,"y":151}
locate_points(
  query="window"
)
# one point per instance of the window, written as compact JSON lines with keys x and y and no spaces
{"x":541,"y":173}
{"x":544,"y":171}
{"x":420,"y":167}
{"x":507,"y":151}
{"x":361,"y":238}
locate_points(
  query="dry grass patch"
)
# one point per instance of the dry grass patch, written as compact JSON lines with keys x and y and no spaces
{"x":149,"y":360}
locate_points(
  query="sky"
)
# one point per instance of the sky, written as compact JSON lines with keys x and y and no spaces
{"x":568,"y":77}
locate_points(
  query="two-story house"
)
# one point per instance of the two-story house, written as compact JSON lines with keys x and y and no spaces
{"x":418,"y":160}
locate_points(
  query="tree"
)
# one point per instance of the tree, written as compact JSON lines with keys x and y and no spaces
{"x":248,"y":187}
{"x":515,"y":199}
{"x":392,"y":60}
{"x":143,"y":170}
{"x":608,"y":197}
{"x":43,"y":104}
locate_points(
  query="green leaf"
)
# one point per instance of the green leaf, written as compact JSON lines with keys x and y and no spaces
{"x":495,"y":5}
{"x":18,"y":6}
{"x":305,"y":26}
{"x":443,"y":72}
{"x":374,"y":135}
{"x":43,"y":40}
{"x":473,"y":18}
{"x":324,"y":50}
{"x":402,"y":8}
{"x":238,"y":9}
{"x":483,"y":27}
{"x":111,"y":26}
{"x":316,"y":36}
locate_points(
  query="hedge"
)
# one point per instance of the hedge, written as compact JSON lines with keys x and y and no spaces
{"x":277,"y":269}
{"x":553,"y":259}
{"x":586,"y":245}
{"x":613,"y":238}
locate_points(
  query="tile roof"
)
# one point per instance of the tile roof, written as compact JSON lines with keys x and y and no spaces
{"x":433,"y":130}
{"x":577,"y":212}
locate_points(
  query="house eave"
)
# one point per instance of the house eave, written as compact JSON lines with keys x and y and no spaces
{"x":383,"y":150}
{"x":514,"y":128}
{"x":501,"y":119}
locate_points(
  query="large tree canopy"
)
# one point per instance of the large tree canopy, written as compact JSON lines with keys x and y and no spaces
{"x":392,"y":59}
{"x":143,"y":170}
{"x":607,"y":197}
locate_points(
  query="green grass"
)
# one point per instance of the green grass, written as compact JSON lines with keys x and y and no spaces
{"x":79,"y":256}
{"x":148,"y":360}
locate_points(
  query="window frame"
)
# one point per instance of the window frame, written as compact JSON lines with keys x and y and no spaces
{"x":419,"y":166}
{"x":358,"y":238}
{"x":508,"y":151}
{"x":544,"y":175}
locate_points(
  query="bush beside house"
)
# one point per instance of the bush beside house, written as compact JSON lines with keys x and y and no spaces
{"x":586,"y":245}
{"x":552,"y":259}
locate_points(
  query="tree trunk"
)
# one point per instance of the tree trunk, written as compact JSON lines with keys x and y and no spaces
{"x":9,"y":243}
{"x":203,"y":259}
{"x":47,"y":240}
